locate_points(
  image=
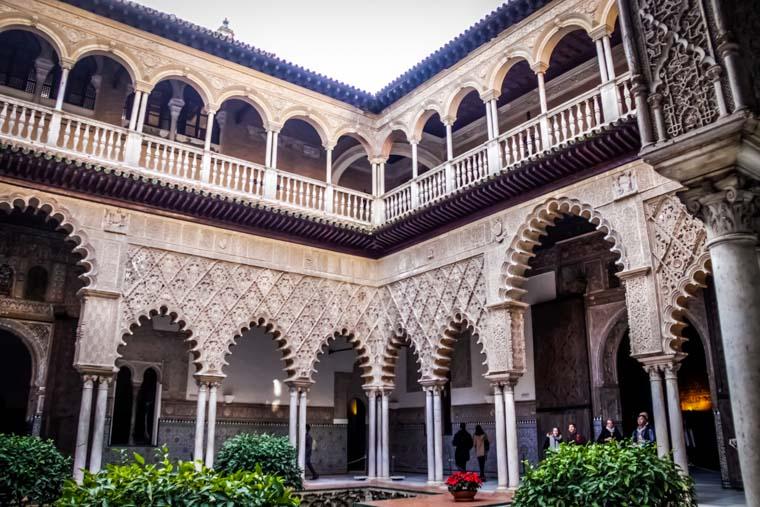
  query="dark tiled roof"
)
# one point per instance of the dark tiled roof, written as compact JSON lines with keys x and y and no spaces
{"x":173,"y":28}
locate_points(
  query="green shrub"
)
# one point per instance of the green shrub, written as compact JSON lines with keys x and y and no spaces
{"x":179,"y":484}
{"x":274,"y":454}
{"x":605,"y":475}
{"x":32,"y":471}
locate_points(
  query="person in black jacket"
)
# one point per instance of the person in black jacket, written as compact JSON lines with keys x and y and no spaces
{"x":609,"y":433}
{"x":462,"y":444}
{"x":643,"y":434}
{"x":309,"y":445}
{"x":573,"y":437}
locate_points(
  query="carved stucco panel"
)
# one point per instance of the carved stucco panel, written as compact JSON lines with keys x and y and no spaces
{"x":641,"y":301}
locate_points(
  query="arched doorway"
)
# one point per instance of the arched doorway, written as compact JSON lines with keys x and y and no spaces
{"x":15,"y":379}
{"x":635,"y":394}
{"x":122,"y":409}
{"x":357,"y":439}
{"x":696,"y":403}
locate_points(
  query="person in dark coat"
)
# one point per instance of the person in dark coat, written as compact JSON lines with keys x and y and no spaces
{"x":462,"y":444}
{"x":553,"y":440}
{"x":610,"y":433}
{"x":573,"y":437}
{"x":643,"y":434}
{"x":309,"y":445}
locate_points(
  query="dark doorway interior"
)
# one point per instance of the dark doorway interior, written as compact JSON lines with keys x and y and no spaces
{"x":635,"y":393}
{"x":696,"y":404}
{"x":356,"y":434}
{"x":146,"y":403}
{"x":122,"y":407}
{"x":15,"y":377}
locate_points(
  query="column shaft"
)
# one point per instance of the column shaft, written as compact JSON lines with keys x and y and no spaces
{"x":143,"y":112}
{"x":275,"y":137}
{"x":268,"y":154}
{"x":302,"y":429}
{"x":510,"y":419}
{"x":200,"y":417}
{"x":495,"y":117}
{"x":83,"y":430}
{"x":608,"y":57}
{"x":601,"y":61}
{"x":293,"y":419}
{"x":438,"y":425}
{"x":489,"y":120}
{"x":658,"y":412}
{"x":676,"y":418}
{"x":501,"y":442}
{"x":429,"y":434}
{"x":101,"y":403}
{"x":372,"y":437}
{"x":542,"y":91}
{"x":386,"y":440}
{"x":328,"y":166}
{"x":449,"y":142}
{"x":62,"y":89}
{"x":211,"y":432}
{"x":135,"y":109}
{"x":209,"y":130}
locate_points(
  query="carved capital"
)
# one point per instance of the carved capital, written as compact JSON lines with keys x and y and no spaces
{"x":727,"y":210}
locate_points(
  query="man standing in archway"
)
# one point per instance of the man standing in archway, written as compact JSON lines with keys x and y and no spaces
{"x":462,"y":443}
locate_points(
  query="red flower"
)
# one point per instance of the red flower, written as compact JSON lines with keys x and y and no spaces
{"x":464,"y":481}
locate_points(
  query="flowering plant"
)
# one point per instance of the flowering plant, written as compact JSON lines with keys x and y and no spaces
{"x":464,"y":481}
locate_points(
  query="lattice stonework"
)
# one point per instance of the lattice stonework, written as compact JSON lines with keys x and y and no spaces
{"x":216,"y":300}
{"x":679,"y":258}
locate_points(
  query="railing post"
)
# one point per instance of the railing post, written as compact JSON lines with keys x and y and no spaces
{"x":270,"y":184}
{"x":132,"y":148}
{"x":546,"y":137}
{"x":494,"y":158}
{"x":449,"y":172}
{"x":329,"y":192}
{"x":610,"y":104}
{"x":378,"y":211}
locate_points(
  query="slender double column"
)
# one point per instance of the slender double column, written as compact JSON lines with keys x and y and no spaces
{"x":438,"y":432}
{"x":501,"y":437}
{"x":658,"y":410}
{"x":208,"y":388}
{"x":505,"y":415}
{"x":91,"y":381}
{"x":211,"y":431}
{"x":299,"y":400}
{"x":429,"y":434}
{"x":200,"y":421}
{"x":378,"y":448}
{"x":385,"y":441}
{"x":372,"y":436}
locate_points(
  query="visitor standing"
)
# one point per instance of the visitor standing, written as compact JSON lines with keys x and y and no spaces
{"x":309,"y":445}
{"x":643,"y":434}
{"x":462,"y":444}
{"x":481,"y":449}
{"x":553,"y":439}
{"x":610,"y":433}
{"x":573,"y":437}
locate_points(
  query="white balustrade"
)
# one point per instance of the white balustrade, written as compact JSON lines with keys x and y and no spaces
{"x":470,"y":167}
{"x":300,"y":191}
{"x":520,"y":143}
{"x":575,"y":118}
{"x":352,"y":204}
{"x":432,"y":184}
{"x":171,"y":158}
{"x":626,"y":102}
{"x":93,"y":138}
{"x":235,"y":174}
{"x":398,"y":202}
{"x":23,"y":120}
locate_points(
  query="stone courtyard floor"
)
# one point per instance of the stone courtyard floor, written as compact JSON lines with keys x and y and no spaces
{"x":708,"y":486}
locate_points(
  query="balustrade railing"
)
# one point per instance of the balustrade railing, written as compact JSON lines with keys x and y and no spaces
{"x":94,"y":138}
{"x":24,"y":120}
{"x":236,"y":174}
{"x":398,"y":201}
{"x":352,"y":204}
{"x":300,"y":192}
{"x":470,"y":167}
{"x":432,"y":184}
{"x":32,"y":123}
{"x":171,"y":158}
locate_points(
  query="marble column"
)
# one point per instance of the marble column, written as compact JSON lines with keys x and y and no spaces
{"x":675,"y":417}
{"x":302,"y":402}
{"x":500,"y":437}
{"x":135,"y":109}
{"x":101,"y":404}
{"x":386,"y":439}
{"x":730,"y":214}
{"x":268,"y":154}
{"x":372,"y":436}
{"x":542,"y":91}
{"x":489,"y":120}
{"x":379,"y":439}
{"x":494,"y":116}
{"x":62,"y":88}
{"x":510,"y":420}
{"x":83,"y":428}
{"x":200,"y":418}
{"x":601,"y":60}
{"x":438,"y":438}
{"x":293,"y":417}
{"x":449,"y":139}
{"x":658,"y":410}
{"x":429,"y":434}
{"x":608,"y":57}
{"x":209,"y":130}
{"x":211,"y":431}
{"x":275,"y":142}
{"x":143,"y":112}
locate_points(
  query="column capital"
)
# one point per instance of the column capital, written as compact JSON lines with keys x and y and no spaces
{"x":435,"y":386}
{"x":728,"y":207}
{"x":209,"y":380}
{"x":489,"y":95}
{"x":273,"y":126}
{"x":96,"y":372}
{"x":539,"y":67}
{"x":378,"y":160}
{"x":600,"y":32}
{"x":448,"y":120}
{"x":504,"y":379}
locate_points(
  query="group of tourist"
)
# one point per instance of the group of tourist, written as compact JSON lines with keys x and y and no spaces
{"x":642,"y":434}
{"x":464,"y":443}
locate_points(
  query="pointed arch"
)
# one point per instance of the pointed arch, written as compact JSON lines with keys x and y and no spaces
{"x":66,"y":220}
{"x":269,"y":326}
{"x":528,"y":236}
{"x":360,"y":349}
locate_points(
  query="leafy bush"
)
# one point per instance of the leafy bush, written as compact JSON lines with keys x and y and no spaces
{"x":274,"y":454}
{"x":180,"y":484}
{"x":605,"y":475}
{"x":32,"y":471}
